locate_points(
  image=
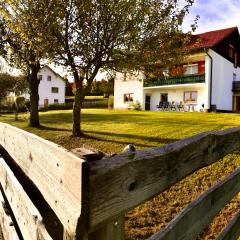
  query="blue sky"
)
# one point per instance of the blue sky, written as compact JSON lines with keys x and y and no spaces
{"x":214,"y":14}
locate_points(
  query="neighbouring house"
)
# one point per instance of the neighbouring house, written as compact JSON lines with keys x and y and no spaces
{"x":208,"y":79}
{"x":51,"y":87}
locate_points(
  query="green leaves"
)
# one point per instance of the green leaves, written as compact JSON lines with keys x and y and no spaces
{"x":10,"y":83}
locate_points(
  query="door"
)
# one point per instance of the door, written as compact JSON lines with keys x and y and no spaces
{"x":237,"y":104}
{"x":164,"y":97}
{"x":45,"y":102}
{"x":147,"y":102}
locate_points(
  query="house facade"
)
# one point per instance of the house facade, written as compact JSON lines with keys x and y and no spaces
{"x":51,"y":87}
{"x":209,"y":78}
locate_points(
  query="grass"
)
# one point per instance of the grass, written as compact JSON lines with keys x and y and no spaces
{"x":110,"y":131}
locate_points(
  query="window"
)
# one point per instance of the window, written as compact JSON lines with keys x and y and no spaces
{"x":234,"y":76}
{"x":191,"y":69}
{"x":231,"y":51}
{"x":55,"y":100}
{"x":49,"y":78}
{"x":163,"y":97}
{"x":235,"y":59}
{"x":40,"y":77}
{"x":54,"y":90}
{"x":128,"y":97}
{"x":190,"y":96}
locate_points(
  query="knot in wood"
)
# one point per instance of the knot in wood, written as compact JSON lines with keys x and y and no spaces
{"x":211,"y":149}
{"x":132,"y":186}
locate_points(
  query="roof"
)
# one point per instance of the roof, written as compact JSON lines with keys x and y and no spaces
{"x":55,"y":73}
{"x":210,"y":39}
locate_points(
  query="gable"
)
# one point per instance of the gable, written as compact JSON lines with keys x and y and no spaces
{"x":46,"y":69}
{"x":220,"y":41}
{"x":223,"y":48}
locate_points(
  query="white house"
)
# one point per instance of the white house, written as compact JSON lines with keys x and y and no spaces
{"x":51,"y":87}
{"x":207,"y":79}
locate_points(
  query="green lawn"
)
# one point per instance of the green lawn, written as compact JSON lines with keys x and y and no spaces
{"x":110,"y":131}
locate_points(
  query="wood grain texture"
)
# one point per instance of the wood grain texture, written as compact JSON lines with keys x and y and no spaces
{"x":56,"y":172}
{"x":197,"y":216}
{"x":232,"y":230}
{"x":27,"y":216}
{"x":112,"y":230}
{"x":6,"y":223}
{"x":119,"y":183}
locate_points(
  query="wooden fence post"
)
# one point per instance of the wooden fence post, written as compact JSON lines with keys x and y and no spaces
{"x":112,"y":230}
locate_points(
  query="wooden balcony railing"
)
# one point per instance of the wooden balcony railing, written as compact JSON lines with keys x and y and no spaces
{"x":199,"y":78}
{"x":236,"y":86}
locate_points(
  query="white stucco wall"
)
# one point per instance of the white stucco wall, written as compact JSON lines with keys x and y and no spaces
{"x":132,"y":84}
{"x":222,"y":77}
{"x":222,"y":81}
{"x":45,"y":87}
{"x":176,"y":94}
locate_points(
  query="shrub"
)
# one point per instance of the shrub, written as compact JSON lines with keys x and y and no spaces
{"x":62,"y":106}
{"x":96,"y":103}
{"x":99,"y":103}
{"x":136,"y":106}
{"x":110,"y":102}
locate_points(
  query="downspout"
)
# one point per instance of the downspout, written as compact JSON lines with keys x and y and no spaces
{"x":211,"y":73}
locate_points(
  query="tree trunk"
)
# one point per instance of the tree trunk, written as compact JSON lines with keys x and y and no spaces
{"x":34,"y":97}
{"x":79,"y":97}
{"x":76,"y":130}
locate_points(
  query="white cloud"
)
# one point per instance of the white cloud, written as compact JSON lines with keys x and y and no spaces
{"x":214,"y":14}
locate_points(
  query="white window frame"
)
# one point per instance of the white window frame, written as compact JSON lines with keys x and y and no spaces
{"x":128,"y":101}
{"x":191,"y":67}
{"x":191,"y":99}
{"x":55,"y":88}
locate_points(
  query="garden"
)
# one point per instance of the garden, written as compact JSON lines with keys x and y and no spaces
{"x":111,"y":130}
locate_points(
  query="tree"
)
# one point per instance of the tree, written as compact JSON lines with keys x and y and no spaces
{"x":95,"y":89}
{"x":101,"y":34}
{"x":102,"y":88}
{"x":8,"y":84}
{"x":69,"y":89}
{"x":24,"y":42}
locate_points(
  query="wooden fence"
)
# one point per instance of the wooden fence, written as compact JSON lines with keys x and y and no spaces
{"x":54,"y":194}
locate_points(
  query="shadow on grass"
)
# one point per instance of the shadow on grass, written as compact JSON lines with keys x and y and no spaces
{"x":123,"y":143}
{"x":132,"y":139}
{"x":143,"y":118}
{"x":42,"y":127}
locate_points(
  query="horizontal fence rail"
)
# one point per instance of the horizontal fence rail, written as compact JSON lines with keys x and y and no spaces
{"x":201,"y":211}
{"x":56,"y":172}
{"x":122,"y":182}
{"x":27,"y":216}
{"x":232,"y":231}
{"x":6,"y":223}
{"x":91,"y":197}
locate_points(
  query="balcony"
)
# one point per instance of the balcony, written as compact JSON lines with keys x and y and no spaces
{"x":236,"y":86}
{"x":200,"y":78}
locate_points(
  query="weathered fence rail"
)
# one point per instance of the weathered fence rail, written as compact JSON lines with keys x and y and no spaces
{"x":90,"y":198}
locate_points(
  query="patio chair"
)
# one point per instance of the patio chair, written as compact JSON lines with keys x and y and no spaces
{"x":160,"y":106}
{"x":166,"y":106}
{"x":173,"y":107}
{"x":180,"y":107}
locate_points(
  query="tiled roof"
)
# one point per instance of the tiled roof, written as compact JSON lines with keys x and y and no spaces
{"x":209,"y":39}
